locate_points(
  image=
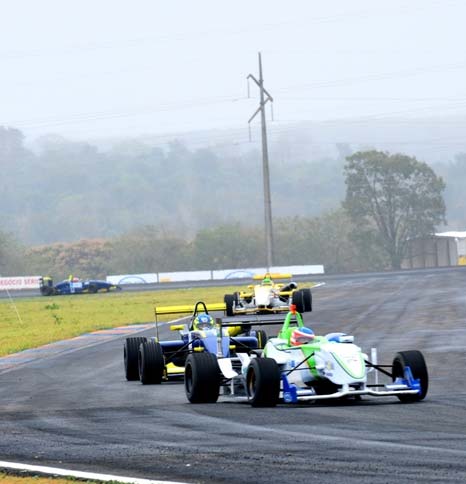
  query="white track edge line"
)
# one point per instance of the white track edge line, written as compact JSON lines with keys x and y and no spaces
{"x":55,"y":471}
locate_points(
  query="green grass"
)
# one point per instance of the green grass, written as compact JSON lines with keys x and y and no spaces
{"x":11,"y":478}
{"x":44,"y":320}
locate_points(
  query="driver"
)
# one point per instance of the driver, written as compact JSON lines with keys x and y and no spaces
{"x":267,"y":281}
{"x":301,"y":336}
{"x":203,"y":322}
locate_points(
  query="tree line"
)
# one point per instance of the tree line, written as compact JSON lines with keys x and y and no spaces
{"x":136,"y":208}
{"x":390,"y":199}
{"x":298,"y":240}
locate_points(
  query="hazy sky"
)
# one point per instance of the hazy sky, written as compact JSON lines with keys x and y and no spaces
{"x":110,"y":67}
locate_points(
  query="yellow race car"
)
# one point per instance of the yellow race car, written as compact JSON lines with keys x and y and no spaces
{"x":269,"y":297}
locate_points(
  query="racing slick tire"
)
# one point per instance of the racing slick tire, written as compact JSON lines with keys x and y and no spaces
{"x":202,"y":378}
{"x":263,"y":382}
{"x":298,"y":300}
{"x":229,"y":300}
{"x":151,"y":363}
{"x":93,"y":289}
{"x":130,"y":356}
{"x":415,"y":360}
{"x":307,"y":298}
{"x":261,"y":336}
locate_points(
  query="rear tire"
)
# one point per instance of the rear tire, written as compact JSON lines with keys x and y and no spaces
{"x":298,"y":300}
{"x":307,"y":299}
{"x":415,"y":360}
{"x":202,"y":378}
{"x":229,"y":300}
{"x":151,"y":363}
{"x":130,"y":356}
{"x":263,"y":382}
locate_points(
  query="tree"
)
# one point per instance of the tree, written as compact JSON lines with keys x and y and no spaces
{"x":11,"y":255}
{"x":228,"y":247}
{"x":148,"y":249}
{"x":393,"y":198}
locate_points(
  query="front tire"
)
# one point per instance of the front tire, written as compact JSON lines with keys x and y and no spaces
{"x":202,"y":378}
{"x":151,"y":363}
{"x":307,"y":299}
{"x":298,"y":300}
{"x":130,"y":356}
{"x":415,"y":360}
{"x":229,"y":300}
{"x":263,"y":382}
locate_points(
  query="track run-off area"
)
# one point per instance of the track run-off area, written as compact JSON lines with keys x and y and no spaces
{"x":74,"y":409}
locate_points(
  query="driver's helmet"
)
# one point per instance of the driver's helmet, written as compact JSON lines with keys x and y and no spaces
{"x":267,"y":281}
{"x":203,"y":322}
{"x":301,"y":336}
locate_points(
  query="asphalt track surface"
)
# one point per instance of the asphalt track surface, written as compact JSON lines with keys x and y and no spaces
{"x":76,"y":410}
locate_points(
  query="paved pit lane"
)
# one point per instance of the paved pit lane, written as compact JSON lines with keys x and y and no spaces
{"x":75,"y":410}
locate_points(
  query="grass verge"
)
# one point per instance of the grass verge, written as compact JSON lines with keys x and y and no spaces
{"x":32,"y":322}
{"x":6,"y":478}
{"x":29,"y":323}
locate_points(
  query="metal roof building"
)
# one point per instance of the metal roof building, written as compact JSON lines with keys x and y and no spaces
{"x":439,"y":250}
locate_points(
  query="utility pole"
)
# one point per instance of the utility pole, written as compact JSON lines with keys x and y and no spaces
{"x":264,"y":98}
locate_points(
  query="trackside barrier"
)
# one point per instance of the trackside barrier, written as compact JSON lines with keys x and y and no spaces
{"x":20,"y":282}
{"x":246,"y":273}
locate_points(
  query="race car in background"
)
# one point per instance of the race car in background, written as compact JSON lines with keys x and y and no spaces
{"x":73,"y":285}
{"x":153,"y":361}
{"x":299,"y":366}
{"x":269,"y":297}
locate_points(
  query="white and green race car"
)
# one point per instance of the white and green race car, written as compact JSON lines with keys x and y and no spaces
{"x":300,"y":366}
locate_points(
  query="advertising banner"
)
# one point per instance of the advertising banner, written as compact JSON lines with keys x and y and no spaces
{"x":23,"y":282}
{"x":246,"y":273}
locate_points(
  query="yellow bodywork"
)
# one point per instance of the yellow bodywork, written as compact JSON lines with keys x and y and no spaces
{"x":173,"y":370}
{"x":272,"y":276}
{"x":186,"y":308}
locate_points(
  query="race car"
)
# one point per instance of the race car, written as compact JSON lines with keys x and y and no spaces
{"x":269,"y":297}
{"x":299,"y":366}
{"x":153,"y":361}
{"x":74,"y":285}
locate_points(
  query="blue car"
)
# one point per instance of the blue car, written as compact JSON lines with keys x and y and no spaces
{"x":153,"y":361}
{"x":73,"y":285}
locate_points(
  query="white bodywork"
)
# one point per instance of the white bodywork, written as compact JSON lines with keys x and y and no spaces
{"x":265,"y":296}
{"x":340,"y":363}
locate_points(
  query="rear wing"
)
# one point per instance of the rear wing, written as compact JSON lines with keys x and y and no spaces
{"x":199,"y":307}
{"x":272,"y":276}
{"x":251,"y":319}
{"x":188,"y":308}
